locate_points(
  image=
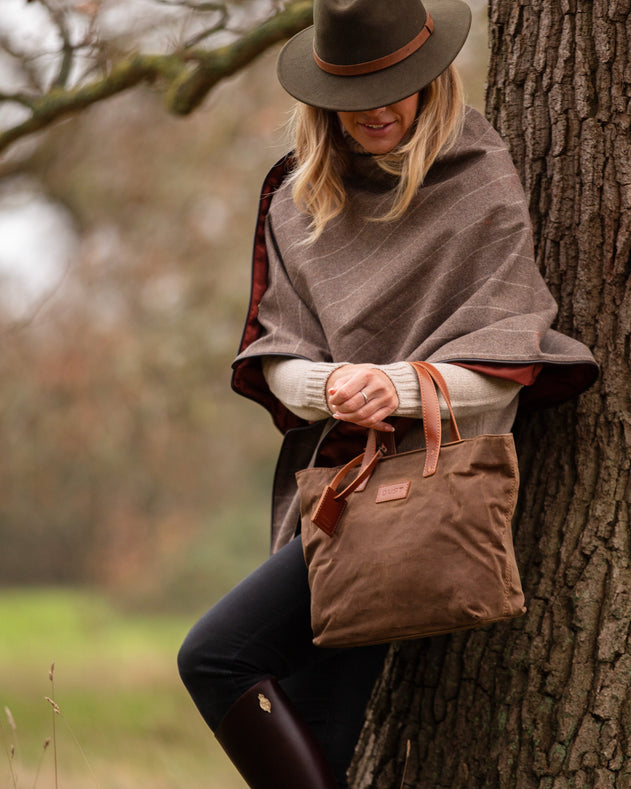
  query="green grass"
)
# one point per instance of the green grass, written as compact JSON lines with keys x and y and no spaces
{"x":126,"y":720}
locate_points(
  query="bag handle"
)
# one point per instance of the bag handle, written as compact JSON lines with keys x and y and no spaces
{"x":431,"y":420}
{"x":332,"y":504}
{"x":442,"y":386}
{"x":429,"y":378}
{"x":386,"y":446}
{"x":363,"y":475}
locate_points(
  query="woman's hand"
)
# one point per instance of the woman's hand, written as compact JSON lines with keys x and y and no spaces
{"x":361,"y":394}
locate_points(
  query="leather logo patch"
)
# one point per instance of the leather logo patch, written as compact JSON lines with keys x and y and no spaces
{"x":392,"y":492}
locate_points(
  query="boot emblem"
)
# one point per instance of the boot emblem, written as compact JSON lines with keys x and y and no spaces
{"x":264,"y":703}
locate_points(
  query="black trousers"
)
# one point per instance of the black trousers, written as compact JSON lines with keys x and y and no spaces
{"x":262,"y":629}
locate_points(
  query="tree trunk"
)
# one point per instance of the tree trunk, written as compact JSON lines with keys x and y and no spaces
{"x":545,"y":701}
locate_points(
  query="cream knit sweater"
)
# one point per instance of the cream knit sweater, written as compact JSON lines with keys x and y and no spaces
{"x":481,"y":404}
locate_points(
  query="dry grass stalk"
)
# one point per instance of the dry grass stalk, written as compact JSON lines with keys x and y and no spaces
{"x":56,"y":711}
{"x":11,"y":742}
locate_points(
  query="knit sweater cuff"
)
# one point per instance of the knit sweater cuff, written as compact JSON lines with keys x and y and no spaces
{"x":300,"y":384}
{"x":316,"y":376}
{"x":405,"y":382}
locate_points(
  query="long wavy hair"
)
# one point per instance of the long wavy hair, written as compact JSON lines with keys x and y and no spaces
{"x":322,"y":157}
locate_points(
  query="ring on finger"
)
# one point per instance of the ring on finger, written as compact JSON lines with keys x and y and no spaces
{"x":363,"y":394}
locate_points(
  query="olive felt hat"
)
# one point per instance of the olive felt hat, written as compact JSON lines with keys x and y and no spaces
{"x":362,"y":54}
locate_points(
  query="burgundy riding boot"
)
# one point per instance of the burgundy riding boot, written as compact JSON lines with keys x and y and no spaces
{"x":270,"y":745}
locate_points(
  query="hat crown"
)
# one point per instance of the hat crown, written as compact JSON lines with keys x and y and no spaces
{"x":360,"y":54}
{"x":348,"y":32}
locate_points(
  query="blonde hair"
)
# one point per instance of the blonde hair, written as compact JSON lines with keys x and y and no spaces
{"x":322,"y":157}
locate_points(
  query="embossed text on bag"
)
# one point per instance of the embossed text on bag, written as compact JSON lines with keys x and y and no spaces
{"x":392,"y":492}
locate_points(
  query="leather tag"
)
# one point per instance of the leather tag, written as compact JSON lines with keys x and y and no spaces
{"x":392,"y":492}
{"x":328,"y":512}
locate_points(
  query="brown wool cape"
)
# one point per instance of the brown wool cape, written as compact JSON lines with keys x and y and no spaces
{"x":454,"y":280}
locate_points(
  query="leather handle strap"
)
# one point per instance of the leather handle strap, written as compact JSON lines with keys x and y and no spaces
{"x":429,"y":379}
{"x":431,"y":419}
{"x":442,"y":386}
{"x":364,"y":473}
{"x":332,"y":504}
{"x":376,"y":440}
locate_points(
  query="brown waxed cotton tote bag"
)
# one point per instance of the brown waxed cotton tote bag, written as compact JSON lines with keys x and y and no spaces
{"x":412,"y":544}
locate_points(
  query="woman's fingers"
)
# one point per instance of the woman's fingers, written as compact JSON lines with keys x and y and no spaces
{"x":362,"y":395}
{"x":367,"y":388}
{"x":352,"y":386}
{"x":375,"y":420}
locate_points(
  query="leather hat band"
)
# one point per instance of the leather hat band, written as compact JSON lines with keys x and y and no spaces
{"x":370,"y":66}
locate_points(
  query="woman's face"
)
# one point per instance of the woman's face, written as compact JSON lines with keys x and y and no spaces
{"x":381,"y":130}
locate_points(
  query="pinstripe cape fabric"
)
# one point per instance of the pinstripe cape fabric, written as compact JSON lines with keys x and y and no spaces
{"x":453,"y":281}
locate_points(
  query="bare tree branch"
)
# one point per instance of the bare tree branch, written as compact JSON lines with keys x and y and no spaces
{"x":220,"y":24}
{"x":17,"y":98}
{"x":186,"y":76}
{"x":185,"y":95}
{"x":58,"y":17}
{"x":25,"y":63}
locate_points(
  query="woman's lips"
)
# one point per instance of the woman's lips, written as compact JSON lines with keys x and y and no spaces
{"x":376,"y":128}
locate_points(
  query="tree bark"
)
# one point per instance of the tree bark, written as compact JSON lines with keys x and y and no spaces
{"x":545,"y":701}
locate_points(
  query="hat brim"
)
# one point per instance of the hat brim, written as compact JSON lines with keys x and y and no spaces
{"x":302,"y":78}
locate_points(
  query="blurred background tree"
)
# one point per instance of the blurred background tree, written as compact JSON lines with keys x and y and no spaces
{"x":93,"y":50}
{"x":127,"y":462}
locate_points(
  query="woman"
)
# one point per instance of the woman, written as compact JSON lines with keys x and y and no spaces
{"x":396,"y":231}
